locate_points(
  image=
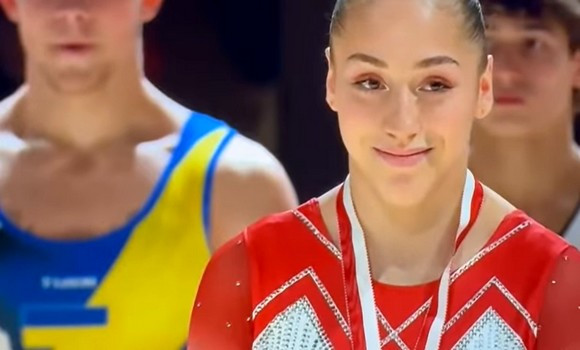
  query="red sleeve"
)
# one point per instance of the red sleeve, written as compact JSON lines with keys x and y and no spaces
{"x":222,"y":309}
{"x":560,"y":315}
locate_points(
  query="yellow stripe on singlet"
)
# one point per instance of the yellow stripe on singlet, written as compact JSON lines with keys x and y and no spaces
{"x":149,"y":290}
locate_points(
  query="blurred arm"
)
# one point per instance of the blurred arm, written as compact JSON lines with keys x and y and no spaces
{"x":560,"y":316}
{"x":249,"y":184}
{"x":221,"y":313}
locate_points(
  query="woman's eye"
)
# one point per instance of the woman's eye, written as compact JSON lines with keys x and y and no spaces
{"x":370,"y":84}
{"x":436,"y":86}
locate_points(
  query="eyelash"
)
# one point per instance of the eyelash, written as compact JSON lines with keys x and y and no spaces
{"x":360,"y":84}
{"x":442,"y":86}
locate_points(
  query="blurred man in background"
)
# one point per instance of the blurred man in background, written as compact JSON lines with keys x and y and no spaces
{"x":112,"y":195}
{"x":526,"y":150}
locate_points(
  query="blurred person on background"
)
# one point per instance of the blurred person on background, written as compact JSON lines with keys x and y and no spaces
{"x":525,"y":150}
{"x":112,"y":195}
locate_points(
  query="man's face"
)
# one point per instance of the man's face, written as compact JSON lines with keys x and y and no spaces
{"x":534,"y":75}
{"x":75,"y":44}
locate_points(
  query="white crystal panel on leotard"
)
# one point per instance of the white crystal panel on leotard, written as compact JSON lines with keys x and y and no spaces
{"x":490,"y":332}
{"x":295,"y":328}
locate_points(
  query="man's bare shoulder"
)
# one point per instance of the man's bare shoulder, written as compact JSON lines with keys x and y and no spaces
{"x":247,"y":167}
{"x":249,"y":184}
{"x":244,"y":156}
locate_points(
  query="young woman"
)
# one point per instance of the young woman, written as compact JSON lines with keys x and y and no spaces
{"x":411,"y":252}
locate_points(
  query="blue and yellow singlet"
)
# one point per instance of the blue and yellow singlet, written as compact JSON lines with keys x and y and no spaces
{"x":131,"y":289}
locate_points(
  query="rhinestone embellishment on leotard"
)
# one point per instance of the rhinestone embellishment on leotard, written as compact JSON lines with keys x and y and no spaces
{"x":490,"y":332}
{"x":328,"y":244}
{"x":296,"y":328}
{"x":309,"y":272}
{"x":506,"y":293}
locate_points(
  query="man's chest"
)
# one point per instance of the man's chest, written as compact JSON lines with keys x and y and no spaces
{"x":64,"y":198}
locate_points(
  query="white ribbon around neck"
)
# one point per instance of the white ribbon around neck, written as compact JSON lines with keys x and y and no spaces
{"x":364,"y":279}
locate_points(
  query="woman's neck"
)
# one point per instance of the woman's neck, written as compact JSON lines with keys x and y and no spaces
{"x":409,"y":244}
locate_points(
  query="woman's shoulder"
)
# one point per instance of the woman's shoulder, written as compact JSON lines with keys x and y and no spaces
{"x":513,"y":226}
{"x":531,"y":236}
{"x":283,"y":226}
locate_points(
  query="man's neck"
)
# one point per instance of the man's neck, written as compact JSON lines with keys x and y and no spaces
{"x":538,"y":174}
{"x":119,"y":110}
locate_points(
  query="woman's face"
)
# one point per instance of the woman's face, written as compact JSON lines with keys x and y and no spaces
{"x":406,"y":83}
